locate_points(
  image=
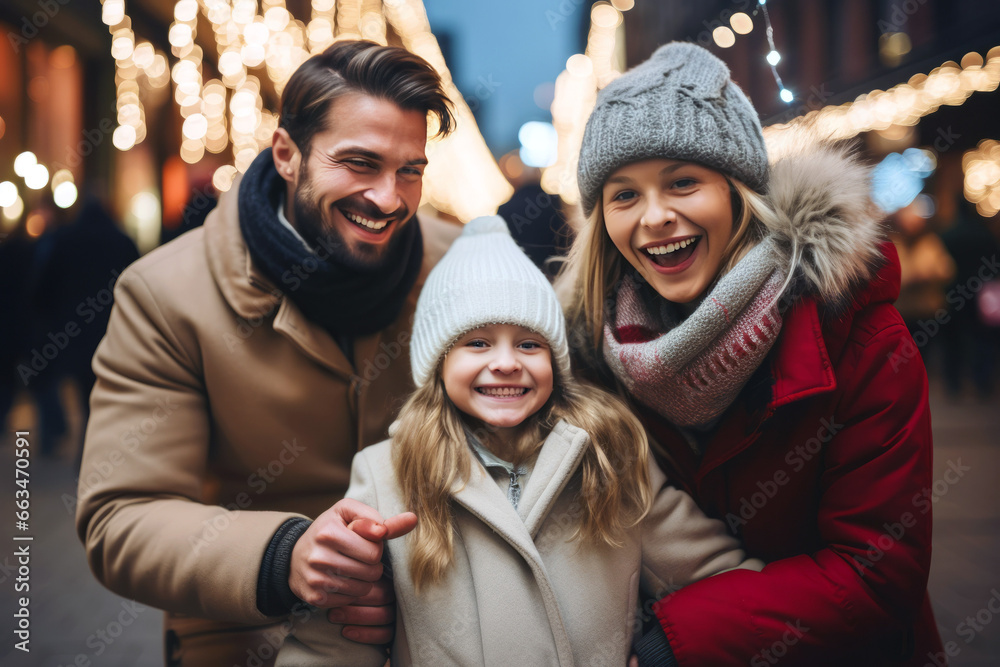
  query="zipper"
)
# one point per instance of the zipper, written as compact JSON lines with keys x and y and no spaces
{"x":514,"y":491}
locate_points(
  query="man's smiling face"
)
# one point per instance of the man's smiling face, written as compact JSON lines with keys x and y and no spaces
{"x":362,"y":179}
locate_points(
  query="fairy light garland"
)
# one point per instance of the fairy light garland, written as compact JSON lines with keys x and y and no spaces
{"x":902,"y":105}
{"x":773,"y":57}
{"x":228,"y":112}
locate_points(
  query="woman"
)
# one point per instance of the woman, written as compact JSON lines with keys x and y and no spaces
{"x":746,"y":312}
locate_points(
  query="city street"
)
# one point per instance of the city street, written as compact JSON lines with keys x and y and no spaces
{"x":74,"y":621}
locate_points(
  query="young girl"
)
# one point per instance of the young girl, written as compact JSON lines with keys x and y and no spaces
{"x":746,"y":311}
{"x":538,"y":511}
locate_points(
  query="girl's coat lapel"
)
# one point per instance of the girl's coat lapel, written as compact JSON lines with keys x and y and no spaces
{"x":558,"y":460}
{"x":481,"y":496}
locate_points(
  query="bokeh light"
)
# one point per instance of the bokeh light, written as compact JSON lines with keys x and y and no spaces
{"x":539,"y":144}
{"x":37,"y":177}
{"x":14,"y":210}
{"x":580,"y":65}
{"x":724,"y":37}
{"x":186,"y":10}
{"x":605,"y":16}
{"x":741,"y":23}
{"x":24,"y":162}
{"x":195,"y":126}
{"x":123,"y":137}
{"x":8,"y":194}
{"x":35,"y":225}
{"x":64,"y":194}
{"x":899,"y":178}
{"x":113,"y":12}
{"x":223,"y":177}
{"x":60,"y":177}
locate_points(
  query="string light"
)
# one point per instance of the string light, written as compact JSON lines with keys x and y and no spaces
{"x":773,"y":57}
{"x":255,"y":40}
{"x":902,"y":105}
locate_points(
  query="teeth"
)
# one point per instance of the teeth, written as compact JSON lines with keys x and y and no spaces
{"x":670,"y":247}
{"x":502,"y":391}
{"x":365,"y":222}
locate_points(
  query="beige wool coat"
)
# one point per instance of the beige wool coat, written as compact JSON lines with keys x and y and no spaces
{"x":219,"y":413}
{"x":520,"y":591}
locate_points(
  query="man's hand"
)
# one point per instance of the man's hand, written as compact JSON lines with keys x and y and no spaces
{"x":372,"y":619}
{"x":337,"y":559}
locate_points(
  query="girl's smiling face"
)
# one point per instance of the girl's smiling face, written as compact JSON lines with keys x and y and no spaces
{"x":672,"y":221}
{"x":500,"y":374}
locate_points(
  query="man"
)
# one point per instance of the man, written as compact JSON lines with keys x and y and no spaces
{"x":246,"y":362}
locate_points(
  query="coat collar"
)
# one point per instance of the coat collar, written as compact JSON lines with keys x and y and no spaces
{"x":558,"y":459}
{"x":799,"y":366}
{"x":255,"y":298}
{"x":244,"y":287}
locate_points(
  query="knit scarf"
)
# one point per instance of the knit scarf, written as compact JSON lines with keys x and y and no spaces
{"x":689,"y":371}
{"x":344,"y":301}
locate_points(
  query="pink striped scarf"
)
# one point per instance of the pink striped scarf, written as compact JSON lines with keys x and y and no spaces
{"x":690,"y":371}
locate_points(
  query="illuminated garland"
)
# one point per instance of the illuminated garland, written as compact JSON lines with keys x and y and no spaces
{"x":463,"y":179}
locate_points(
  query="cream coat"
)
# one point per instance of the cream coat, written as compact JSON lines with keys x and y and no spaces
{"x":519,"y":590}
{"x":219,"y":413}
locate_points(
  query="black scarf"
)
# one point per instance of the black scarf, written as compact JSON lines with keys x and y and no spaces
{"x":347,"y":302}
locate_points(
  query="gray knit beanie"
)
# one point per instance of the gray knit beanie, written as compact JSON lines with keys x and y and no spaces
{"x":484,"y":278}
{"x":680,"y":104}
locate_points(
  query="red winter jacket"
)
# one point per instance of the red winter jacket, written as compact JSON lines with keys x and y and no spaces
{"x":829,"y":482}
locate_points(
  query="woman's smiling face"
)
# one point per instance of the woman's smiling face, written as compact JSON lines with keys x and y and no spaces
{"x":672,"y":221}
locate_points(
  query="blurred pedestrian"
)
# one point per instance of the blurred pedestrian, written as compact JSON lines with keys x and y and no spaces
{"x":925,"y":268}
{"x":970,"y":348}
{"x":536,"y":221}
{"x":77,"y":266}
{"x":16,"y":254}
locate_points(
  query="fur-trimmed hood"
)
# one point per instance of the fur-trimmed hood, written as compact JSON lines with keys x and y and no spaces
{"x":826,"y":228}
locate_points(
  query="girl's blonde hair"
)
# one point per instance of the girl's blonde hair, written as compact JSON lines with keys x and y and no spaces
{"x":431,"y":454}
{"x":585,"y":284}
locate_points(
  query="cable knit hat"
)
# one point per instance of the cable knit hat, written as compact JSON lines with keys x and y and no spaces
{"x":484,"y":278}
{"x":680,"y":104}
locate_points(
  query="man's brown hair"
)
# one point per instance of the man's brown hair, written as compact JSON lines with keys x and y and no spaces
{"x":358,"y":66}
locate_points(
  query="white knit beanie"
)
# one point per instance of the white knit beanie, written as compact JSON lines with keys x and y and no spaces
{"x":484,"y":278}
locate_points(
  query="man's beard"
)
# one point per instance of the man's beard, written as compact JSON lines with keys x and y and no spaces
{"x":326,"y":238}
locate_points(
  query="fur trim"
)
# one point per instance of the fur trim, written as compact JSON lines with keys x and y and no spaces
{"x":826,"y":229}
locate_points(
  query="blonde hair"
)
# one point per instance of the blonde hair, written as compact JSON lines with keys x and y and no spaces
{"x":431,"y":454}
{"x":594,"y":266}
